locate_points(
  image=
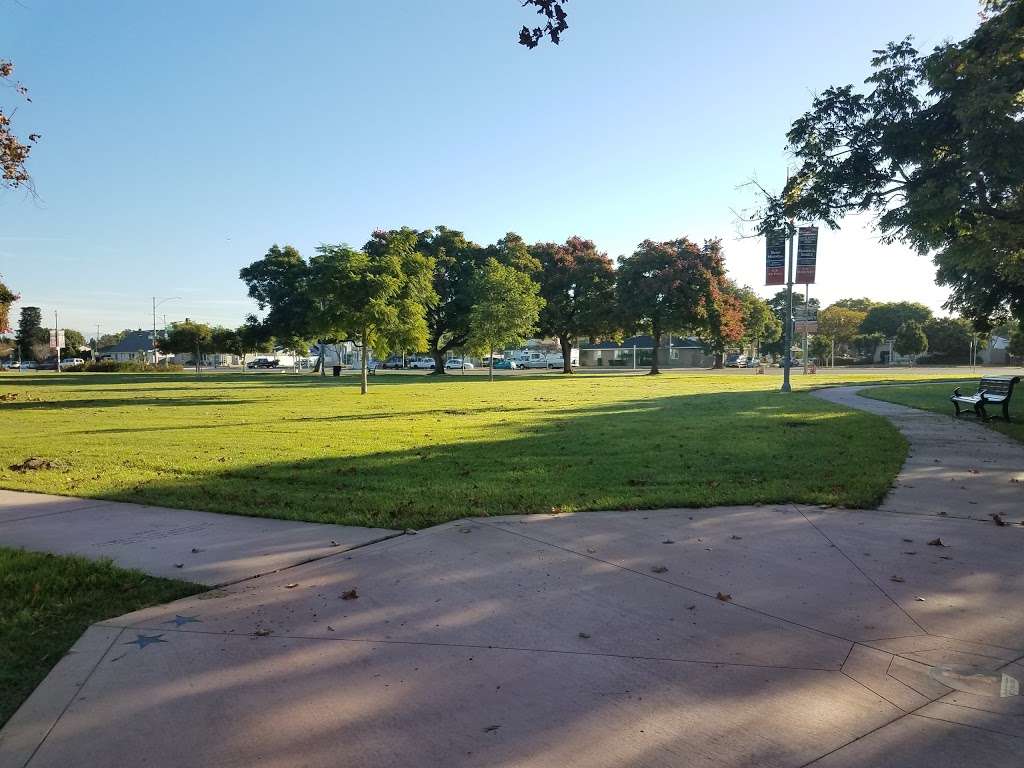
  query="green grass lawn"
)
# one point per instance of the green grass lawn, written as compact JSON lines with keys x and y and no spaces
{"x":935,"y":397}
{"x":423,"y":449}
{"x":47,"y":601}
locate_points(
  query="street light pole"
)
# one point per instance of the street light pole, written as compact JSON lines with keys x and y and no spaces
{"x":155,"y":305}
{"x":787,"y":357}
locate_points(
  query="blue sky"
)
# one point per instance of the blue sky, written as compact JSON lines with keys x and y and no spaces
{"x":180,"y":140}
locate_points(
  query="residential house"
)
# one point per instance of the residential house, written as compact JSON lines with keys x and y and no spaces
{"x":136,"y":345}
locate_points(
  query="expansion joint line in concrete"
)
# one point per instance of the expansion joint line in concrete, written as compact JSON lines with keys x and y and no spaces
{"x":676,"y":585}
{"x":860,"y":570}
{"x":477,"y":647}
{"x":79,"y":687}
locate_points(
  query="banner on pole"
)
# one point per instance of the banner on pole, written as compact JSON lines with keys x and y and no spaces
{"x":806,"y":255}
{"x":56,"y":339}
{"x":775,"y":258}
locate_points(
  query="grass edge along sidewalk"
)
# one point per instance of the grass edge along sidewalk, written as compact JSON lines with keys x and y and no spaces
{"x":48,"y":601}
{"x":934,"y":397}
{"x":422,"y":450}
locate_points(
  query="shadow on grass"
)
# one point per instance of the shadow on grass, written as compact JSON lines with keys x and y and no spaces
{"x":687,"y":450}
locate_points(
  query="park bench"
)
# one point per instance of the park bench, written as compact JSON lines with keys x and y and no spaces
{"x":992,"y":390}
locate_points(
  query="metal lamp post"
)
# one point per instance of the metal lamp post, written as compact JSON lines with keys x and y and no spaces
{"x":157,"y":303}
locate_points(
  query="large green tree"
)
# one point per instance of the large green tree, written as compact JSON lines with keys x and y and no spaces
{"x":188,"y":337}
{"x":30,"y":331}
{"x":948,"y":338}
{"x":377,"y":296}
{"x":282,"y":285}
{"x":674,"y":286}
{"x":910,"y":339}
{"x":760,"y":323}
{"x":887,"y":318}
{"x":932,"y":148}
{"x":780,"y":307}
{"x":577,"y":283}
{"x":838,"y":324}
{"x":506,"y":311}
{"x":456,"y":262}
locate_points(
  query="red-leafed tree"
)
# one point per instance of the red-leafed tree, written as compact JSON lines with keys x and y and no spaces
{"x":13,"y":151}
{"x":680,"y":287}
{"x":726,"y":326}
{"x":577,"y":283}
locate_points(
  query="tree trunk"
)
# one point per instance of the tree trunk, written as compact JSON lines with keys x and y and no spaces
{"x":438,"y":356}
{"x":566,"y":342}
{"x":490,"y":366}
{"x":654,"y":357}
{"x":197,"y":361}
{"x":362,"y":366}
{"x":322,"y":361}
{"x":719,"y":361}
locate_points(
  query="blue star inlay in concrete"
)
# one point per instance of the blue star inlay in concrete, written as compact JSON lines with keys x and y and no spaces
{"x":179,"y":620}
{"x":143,"y":640}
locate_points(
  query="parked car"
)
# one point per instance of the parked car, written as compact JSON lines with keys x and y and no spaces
{"x":29,"y":365}
{"x":422,"y":362}
{"x":48,"y":365}
{"x":735,"y":360}
{"x":395,"y":361}
{"x":67,"y":362}
{"x":457,"y":362}
{"x":264,"y":362}
{"x":753,"y":362}
{"x":508,"y":365}
{"x":11,"y":365}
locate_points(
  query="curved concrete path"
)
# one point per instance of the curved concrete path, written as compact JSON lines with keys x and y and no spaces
{"x":768,"y":636}
{"x":955,"y":468}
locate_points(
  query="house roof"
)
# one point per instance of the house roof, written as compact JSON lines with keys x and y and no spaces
{"x":136,"y":341}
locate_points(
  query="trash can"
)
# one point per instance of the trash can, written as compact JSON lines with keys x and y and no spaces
{"x":337,"y":370}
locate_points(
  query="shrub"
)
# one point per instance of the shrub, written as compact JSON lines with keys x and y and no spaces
{"x":123,"y":366}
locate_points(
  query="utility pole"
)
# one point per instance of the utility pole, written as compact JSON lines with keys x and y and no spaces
{"x":96,"y":344}
{"x":787,"y":356}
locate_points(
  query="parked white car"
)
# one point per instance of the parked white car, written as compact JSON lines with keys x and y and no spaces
{"x":67,"y":362}
{"x":459,"y":363}
{"x":422,"y":362}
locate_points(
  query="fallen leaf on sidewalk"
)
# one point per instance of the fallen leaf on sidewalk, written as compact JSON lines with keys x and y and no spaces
{"x":659,"y":569}
{"x":898,"y":579}
{"x":350,"y":594}
{"x":936,"y":543}
{"x":262,"y":632}
{"x":997,"y":519}
{"x":668,"y":541}
{"x":491,"y":728}
{"x":583,"y":635}
{"x":293,"y":585}
{"x":920,"y":599}
{"x":734,"y":536}
{"x":724,"y":597}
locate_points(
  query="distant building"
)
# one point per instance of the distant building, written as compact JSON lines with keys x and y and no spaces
{"x":674,"y":352}
{"x":136,"y":345}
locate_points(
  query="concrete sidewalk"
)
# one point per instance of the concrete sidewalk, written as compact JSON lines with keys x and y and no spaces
{"x":751,"y":636}
{"x":202,"y":547}
{"x":955,"y":468}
